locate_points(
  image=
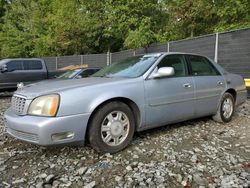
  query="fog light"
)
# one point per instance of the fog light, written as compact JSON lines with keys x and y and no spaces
{"x":62,"y":136}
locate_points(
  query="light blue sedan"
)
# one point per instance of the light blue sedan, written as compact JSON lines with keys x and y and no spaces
{"x":135,"y":94}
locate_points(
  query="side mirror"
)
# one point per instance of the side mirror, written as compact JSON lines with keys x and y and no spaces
{"x":4,"y":68}
{"x":164,"y":72}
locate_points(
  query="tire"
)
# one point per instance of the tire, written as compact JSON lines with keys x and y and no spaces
{"x":112,"y":128}
{"x":225,"y":111}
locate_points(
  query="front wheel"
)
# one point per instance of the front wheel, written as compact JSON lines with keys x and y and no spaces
{"x":226,"y":109}
{"x":111,"y":128}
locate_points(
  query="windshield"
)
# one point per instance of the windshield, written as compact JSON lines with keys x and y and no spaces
{"x":69,"y":74}
{"x":129,"y":68}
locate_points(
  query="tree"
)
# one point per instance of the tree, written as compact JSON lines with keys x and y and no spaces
{"x":102,"y":31}
{"x":24,"y":33}
{"x":33,"y":28}
{"x":190,"y":18}
{"x":140,"y":37}
{"x":232,"y":14}
{"x":3,"y":4}
{"x":141,"y":21}
{"x":193,"y":18}
{"x":67,"y":27}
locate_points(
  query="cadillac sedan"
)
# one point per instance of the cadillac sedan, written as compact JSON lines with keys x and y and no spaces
{"x":135,"y":94}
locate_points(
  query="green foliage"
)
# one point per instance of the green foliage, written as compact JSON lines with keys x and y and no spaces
{"x":24,"y":33}
{"x":33,"y":28}
{"x":66,"y":24}
{"x":141,"y":37}
{"x":193,"y":18}
{"x":232,"y":14}
{"x":3,"y":4}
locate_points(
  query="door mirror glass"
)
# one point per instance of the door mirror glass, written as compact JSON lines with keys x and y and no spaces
{"x":4,"y":68}
{"x":164,"y":72}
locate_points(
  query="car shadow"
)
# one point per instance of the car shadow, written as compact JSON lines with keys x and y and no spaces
{"x":170,"y":127}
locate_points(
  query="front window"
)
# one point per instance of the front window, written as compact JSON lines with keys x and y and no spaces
{"x":129,"y":68}
{"x":14,"y":65}
{"x":175,"y":61}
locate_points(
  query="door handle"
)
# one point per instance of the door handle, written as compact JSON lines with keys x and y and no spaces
{"x":220,"y":83}
{"x":187,"y":85}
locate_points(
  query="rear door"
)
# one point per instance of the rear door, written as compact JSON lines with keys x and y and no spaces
{"x":209,"y":84}
{"x":170,"y":99}
{"x":34,"y":71}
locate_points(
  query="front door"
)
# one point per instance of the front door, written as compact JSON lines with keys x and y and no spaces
{"x":170,"y":99}
{"x":13,"y":75}
{"x":34,"y":71}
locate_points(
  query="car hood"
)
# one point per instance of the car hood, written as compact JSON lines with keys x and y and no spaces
{"x":57,"y":85}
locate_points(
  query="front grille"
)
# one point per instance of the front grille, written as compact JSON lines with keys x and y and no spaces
{"x":23,"y":135}
{"x":18,"y":104}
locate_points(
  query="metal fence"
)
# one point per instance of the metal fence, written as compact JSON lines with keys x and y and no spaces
{"x":229,"y":49}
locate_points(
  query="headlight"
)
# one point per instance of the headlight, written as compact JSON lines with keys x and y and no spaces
{"x":44,"y":106}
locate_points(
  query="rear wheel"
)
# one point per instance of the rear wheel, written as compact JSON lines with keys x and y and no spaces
{"x":111,"y":128}
{"x":226,"y":109}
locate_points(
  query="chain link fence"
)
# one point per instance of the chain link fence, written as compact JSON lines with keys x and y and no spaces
{"x":230,"y":49}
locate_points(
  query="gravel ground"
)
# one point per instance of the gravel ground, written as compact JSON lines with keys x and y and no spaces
{"x":197,"y":153}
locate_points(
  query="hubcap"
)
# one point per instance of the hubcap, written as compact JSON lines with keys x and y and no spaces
{"x":115,"y":128}
{"x":227,"y":108}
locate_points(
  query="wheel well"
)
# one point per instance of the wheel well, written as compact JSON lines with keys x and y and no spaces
{"x":233,"y":93}
{"x":132,"y":105}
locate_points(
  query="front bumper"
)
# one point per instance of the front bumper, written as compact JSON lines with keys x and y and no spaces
{"x":39,"y":130}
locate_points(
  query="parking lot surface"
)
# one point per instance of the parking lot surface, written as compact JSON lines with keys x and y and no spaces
{"x":196,"y":153}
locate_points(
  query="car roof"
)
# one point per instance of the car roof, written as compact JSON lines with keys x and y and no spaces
{"x":172,"y":53}
{"x":10,"y":59}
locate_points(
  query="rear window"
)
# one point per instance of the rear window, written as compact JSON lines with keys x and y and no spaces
{"x":32,"y":65}
{"x":200,"y":66}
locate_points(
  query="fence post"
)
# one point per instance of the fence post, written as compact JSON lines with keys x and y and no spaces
{"x":168,"y":47}
{"x":56,"y":62}
{"x":216,"y":48}
{"x":81,"y":59}
{"x":108,"y":58}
